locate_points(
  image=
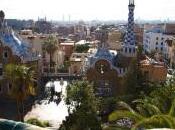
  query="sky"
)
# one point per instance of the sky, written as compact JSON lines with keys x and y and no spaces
{"x":87,"y":9}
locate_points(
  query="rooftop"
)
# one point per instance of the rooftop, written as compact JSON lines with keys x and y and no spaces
{"x":67,"y":43}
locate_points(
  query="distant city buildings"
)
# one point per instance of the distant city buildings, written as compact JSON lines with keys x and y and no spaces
{"x":156,"y":37}
{"x":43,"y":26}
{"x":156,"y":42}
{"x":112,"y":48}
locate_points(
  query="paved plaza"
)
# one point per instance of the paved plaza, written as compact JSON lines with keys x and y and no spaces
{"x":54,"y":110}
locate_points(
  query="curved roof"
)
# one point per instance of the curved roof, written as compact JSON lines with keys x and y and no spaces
{"x":10,"y":39}
{"x":102,"y":53}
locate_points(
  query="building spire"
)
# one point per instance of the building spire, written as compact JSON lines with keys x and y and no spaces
{"x":129,"y":43}
{"x":131,"y":2}
{"x":130,"y":37}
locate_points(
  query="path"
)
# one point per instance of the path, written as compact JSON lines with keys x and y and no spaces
{"x":51,"y":111}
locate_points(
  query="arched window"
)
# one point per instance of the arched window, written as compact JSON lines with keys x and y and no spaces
{"x":125,"y":50}
{"x":5,"y":54}
{"x":134,"y":50}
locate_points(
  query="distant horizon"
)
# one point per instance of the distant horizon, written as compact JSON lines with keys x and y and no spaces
{"x":98,"y":20}
{"x":88,"y":10}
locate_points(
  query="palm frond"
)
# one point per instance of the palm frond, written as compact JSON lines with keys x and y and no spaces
{"x":21,"y":78}
{"x":172,"y":109}
{"x":119,"y":114}
{"x":156,"y":121}
{"x":126,"y":106}
{"x":147,"y":106}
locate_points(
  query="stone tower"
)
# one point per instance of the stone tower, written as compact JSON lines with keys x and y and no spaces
{"x":129,"y":48}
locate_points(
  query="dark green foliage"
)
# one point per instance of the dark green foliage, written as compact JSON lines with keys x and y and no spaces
{"x":35,"y":121}
{"x":50,"y":46}
{"x":134,"y":81}
{"x":22,"y":84}
{"x":106,"y":106}
{"x":163,"y":96}
{"x":80,"y":96}
{"x":82,"y":48}
{"x":156,"y":110}
{"x":131,"y":82}
{"x":64,"y":68}
{"x":137,"y":84}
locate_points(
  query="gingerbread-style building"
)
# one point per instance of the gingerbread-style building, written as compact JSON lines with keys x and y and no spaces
{"x":107,"y":71}
{"x":12,"y":51}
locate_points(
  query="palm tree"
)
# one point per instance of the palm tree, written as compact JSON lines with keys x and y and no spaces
{"x":147,"y":115}
{"x":50,"y":46}
{"x":22,"y":81}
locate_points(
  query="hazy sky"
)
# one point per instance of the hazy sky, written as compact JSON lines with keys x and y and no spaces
{"x":87,"y":9}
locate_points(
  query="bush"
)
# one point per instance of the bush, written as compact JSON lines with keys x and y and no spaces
{"x":46,"y":124}
{"x":35,"y":121}
{"x":82,"y":48}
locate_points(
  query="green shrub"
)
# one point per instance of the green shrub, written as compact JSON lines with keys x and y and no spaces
{"x":46,"y":124}
{"x":35,"y":121}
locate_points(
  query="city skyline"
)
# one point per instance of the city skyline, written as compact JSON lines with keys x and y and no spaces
{"x":87,"y":9}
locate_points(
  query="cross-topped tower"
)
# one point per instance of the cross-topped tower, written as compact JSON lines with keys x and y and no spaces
{"x":129,"y":43}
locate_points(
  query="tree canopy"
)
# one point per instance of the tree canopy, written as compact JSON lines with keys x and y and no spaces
{"x":81,"y":97}
{"x":156,"y":110}
{"x":82,"y":48}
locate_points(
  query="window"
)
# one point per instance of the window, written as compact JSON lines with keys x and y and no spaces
{"x":126,"y":50}
{"x":162,"y":38}
{"x":1,"y":72}
{"x":5,"y":54}
{"x":120,"y":70}
{"x":157,"y":43}
{"x":0,"y":88}
{"x":134,"y":50}
{"x":129,"y":50}
{"x":161,"y":48}
{"x":9,"y":87}
{"x":157,"y":38}
{"x":156,"y":48}
{"x":78,"y":56}
{"x":162,"y":43}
